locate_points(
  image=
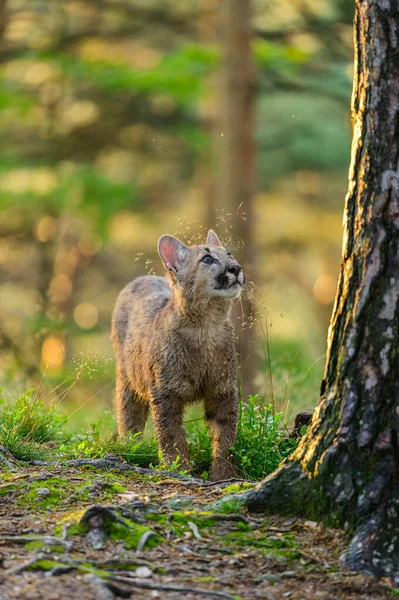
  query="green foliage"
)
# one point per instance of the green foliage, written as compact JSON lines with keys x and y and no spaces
{"x":134,"y":449}
{"x":93,"y":196}
{"x":310,"y":129}
{"x":292,"y":378}
{"x":200,"y":449}
{"x":235,"y":488}
{"x":261,"y":444}
{"x":11,"y":99}
{"x":51,"y":492}
{"x":27,"y":424}
{"x":99,"y":197}
{"x":179,"y":74}
{"x":278,"y":56}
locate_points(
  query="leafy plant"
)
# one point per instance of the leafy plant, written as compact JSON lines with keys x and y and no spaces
{"x":261,"y":444}
{"x":200,"y":449}
{"x":134,"y":449}
{"x":27,"y":424}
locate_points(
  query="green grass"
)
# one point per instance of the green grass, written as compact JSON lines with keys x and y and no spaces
{"x":30,"y":430}
{"x":27,"y":425}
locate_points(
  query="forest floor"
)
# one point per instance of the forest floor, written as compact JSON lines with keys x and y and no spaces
{"x":84,"y":531}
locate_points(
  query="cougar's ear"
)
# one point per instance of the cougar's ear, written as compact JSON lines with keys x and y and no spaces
{"x":172,"y":251}
{"x":213,"y":239}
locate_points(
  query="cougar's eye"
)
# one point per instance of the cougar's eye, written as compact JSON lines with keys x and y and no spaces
{"x":208,"y":260}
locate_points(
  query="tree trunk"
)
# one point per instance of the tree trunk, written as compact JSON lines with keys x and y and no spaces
{"x":345,"y":470}
{"x":236,"y":157}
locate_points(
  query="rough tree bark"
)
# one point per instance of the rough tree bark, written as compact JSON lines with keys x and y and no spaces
{"x":345,"y":470}
{"x":235,"y":184}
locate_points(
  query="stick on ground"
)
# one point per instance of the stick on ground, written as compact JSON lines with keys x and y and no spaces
{"x":169,"y":588}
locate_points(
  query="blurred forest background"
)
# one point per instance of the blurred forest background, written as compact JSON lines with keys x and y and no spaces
{"x":121,"y":120}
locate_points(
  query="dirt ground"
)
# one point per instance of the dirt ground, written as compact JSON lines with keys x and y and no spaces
{"x":182,"y":548}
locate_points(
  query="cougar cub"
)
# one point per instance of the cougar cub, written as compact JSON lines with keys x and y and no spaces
{"x":175,"y":344}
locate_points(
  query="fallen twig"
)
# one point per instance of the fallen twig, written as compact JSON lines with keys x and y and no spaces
{"x":281,"y":529}
{"x":15,"y":479}
{"x":147,"y":535}
{"x":222,"y":482}
{"x":232,"y":517}
{"x":23,"y":566}
{"x":6,"y":461}
{"x":111,"y":563}
{"x":168,"y":588}
{"x":47,"y":540}
{"x":106,"y":590}
{"x":194,"y":529}
{"x":211,"y":549}
{"x":114,"y":462}
{"x":111,"y":461}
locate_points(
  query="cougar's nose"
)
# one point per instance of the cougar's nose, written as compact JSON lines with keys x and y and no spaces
{"x":235,"y":269}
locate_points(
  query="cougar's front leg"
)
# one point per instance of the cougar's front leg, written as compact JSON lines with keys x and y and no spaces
{"x":221,"y":413}
{"x":131,"y":410}
{"x":168,"y":420}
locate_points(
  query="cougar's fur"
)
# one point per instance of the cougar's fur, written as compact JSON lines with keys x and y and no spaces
{"x":175,"y":344}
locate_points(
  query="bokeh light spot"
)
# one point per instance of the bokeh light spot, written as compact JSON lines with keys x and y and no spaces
{"x":45,"y":229}
{"x":53,"y":352}
{"x":324,"y":288}
{"x":89,"y":246}
{"x":60,"y":288}
{"x":86,"y":315}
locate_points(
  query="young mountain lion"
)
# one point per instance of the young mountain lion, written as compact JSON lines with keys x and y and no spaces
{"x":175,"y":344}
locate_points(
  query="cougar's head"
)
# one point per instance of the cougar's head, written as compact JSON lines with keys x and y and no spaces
{"x":205,"y":270}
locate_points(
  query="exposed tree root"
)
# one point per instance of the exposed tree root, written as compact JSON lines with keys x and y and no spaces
{"x":282,"y":491}
{"x":144,"y":539}
{"x":236,"y":517}
{"x":46,"y":540}
{"x":111,"y":461}
{"x":114,"y":462}
{"x":374,"y":548}
{"x":5,"y":459}
{"x":23,"y":567}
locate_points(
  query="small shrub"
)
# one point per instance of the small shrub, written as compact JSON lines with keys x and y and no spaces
{"x":261,"y":444}
{"x":200,"y":450}
{"x":30,"y":419}
{"x":27,"y":425}
{"x":134,"y":449}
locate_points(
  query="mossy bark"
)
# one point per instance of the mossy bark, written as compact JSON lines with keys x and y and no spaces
{"x":345,"y":470}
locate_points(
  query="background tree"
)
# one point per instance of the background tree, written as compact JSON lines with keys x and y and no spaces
{"x":236,"y":161}
{"x":345,"y":471}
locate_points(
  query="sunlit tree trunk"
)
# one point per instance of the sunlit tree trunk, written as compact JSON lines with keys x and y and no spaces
{"x":235,"y":132}
{"x":346,"y":469}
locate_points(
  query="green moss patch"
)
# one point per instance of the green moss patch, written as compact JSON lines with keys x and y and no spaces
{"x":45,"y":564}
{"x":120,"y":529}
{"x":38,"y":545}
{"x":279,"y":547}
{"x":228,"y":505}
{"x":71,"y":521}
{"x":131,"y":533}
{"x":46,"y":493}
{"x":235,"y":488}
